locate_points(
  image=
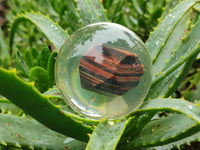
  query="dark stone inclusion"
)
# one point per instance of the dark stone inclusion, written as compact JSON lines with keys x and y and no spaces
{"x":109,"y":69}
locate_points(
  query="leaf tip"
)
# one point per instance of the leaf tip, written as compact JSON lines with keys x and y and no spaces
{"x":23,"y":115}
{"x":3,"y":143}
{"x":32,"y":83}
{"x":31,"y":147}
{"x":17,"y":144}
{"x":9,"y":112}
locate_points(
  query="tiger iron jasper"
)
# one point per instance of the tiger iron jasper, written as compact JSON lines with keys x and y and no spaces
{"x":109,"y":70}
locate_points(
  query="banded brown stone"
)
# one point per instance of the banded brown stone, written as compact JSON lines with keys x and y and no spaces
{"x":109,"y":69}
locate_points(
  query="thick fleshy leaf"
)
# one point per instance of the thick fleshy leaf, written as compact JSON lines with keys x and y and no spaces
{"x":173,"y":42}
{"x":177,"y":105}
{"x":39,"y":107}
{"x":44,"y":57}
{"x":20,"y":63}
{"x":106,"y":136}
{"x":41,"y":79}
{"x":189,"y":56}
{"x":91,"y":11}
{"x":24,"y":132}
{"x":160,"y":36}
{"x":176,"y":130}
{"x":165,"y":130}
{"x":195,"y":138}
{"x":8,"y":107}
{"x":4,"y":53}
{"x":191,"y":93}
{"x":173,"y":75}
{"x":169,"y":47}
{"x":53,"y":31}
{"x":50,"y":67}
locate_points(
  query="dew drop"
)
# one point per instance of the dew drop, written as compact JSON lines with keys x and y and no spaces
{"x":127,"y":10}
{"x":111,"y":123}
{"x":68,"y":140}
{"x":157,"y":43}
{"x":190,"y":107}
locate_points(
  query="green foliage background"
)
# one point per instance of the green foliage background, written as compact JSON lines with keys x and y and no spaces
{"x":34,"y":116}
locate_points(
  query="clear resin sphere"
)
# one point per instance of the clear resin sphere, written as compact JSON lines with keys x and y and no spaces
{"x":103,"y":70}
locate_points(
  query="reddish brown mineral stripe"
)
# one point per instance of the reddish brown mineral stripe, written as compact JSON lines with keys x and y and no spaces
{"x":95,"y":85}
{"x":87,"y":62}
{"x":107,"y":69}
{"x":95,"y":80}
{"x":111,"y":65}
{"x":104,"y":73}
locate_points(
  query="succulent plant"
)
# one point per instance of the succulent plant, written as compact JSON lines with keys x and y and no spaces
{"x":33,"y":115}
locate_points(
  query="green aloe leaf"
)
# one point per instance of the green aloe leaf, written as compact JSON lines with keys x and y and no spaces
{"x":31,"y":57}
{"x":135,"y":124}
{"x":50,"y":67}
{"x":191,"y":93}
{"x":106,"y":136}
{"x":24,"y":132}
{"x":168,"y":104}
{"x":40,"y":78}
{"x":179,"y":143}
{"x":164,"y":54}
{"x":69,"y":14}
{"x":165,"y":130}
{"x":170,"y":4}
{"x":39,"y":107}
{"x":172,"y":43}
{"x":91,"y":11}
{"x":52,"y":30}
{"x":160,"y":36}
{"x":4,"y":52}
{"x":44,"y":57}
{"x":8,"y":107}
{"x":28,"y":133}
{"x":191,"y":116}
{"x":20,"y":63}
{"x":190,"y":55}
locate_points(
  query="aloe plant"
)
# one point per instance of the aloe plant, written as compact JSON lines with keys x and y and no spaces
{"x":34,"y":116}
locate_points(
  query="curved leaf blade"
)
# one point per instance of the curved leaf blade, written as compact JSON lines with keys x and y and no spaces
{"x":53,"y":31}
{"x":177,"y":144}
{"x":159,"y":37}
{"x":106,"y":136}
{"x":5,"y":60}
{"x":177,"y":105}
{"x":173,"y":67}
{"x":165,"y":130}
{"x":91,"y":11}
{"x":39,"y":107}
{"x":50,"y":67}
{"x":26,"y":132}
{"x":171,"y":49}
{"x":172,"y":44}
{"x":41,"y":79}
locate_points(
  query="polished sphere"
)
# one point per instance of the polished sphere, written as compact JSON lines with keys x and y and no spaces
{"x":103,"y":70}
